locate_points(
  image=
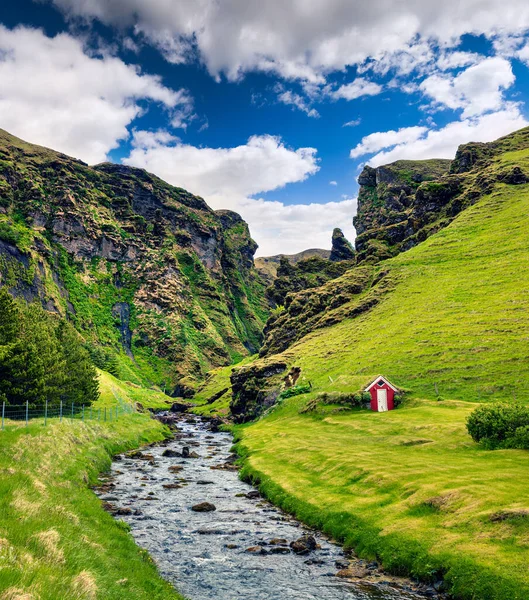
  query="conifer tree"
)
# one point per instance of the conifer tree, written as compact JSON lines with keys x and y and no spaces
{"x":81,"y":385}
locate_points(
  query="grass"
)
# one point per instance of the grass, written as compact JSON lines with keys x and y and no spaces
{"x":457,"y":323}
{"x":409,"y":487}
{"x":56,"y":542}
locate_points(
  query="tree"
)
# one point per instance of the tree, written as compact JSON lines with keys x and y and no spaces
{"x":9,"y":318}
{"x":81,"y":384}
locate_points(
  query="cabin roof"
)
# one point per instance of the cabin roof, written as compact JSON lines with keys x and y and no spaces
{"x":377,"y":379}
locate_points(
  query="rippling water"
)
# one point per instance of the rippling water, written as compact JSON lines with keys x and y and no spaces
{"x":204,"y":554}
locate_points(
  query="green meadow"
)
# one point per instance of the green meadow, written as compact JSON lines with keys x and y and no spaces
{"x":56,"y":541}
{"x":410,"y":487}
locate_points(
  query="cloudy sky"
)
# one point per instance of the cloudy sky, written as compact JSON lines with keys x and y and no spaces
{"x":267,"y":108}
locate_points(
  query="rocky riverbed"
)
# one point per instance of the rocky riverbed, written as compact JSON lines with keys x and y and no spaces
{"x":214,"y":537}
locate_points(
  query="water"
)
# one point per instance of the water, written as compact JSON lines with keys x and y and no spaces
{"x":205,"y":554}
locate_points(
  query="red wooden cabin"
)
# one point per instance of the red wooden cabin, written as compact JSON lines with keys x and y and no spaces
{"x":382,"y":394}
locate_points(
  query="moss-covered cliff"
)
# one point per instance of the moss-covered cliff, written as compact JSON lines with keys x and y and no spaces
{"x":145,"y":270}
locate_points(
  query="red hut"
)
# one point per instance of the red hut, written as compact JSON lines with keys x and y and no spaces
{"x":382,"y":394}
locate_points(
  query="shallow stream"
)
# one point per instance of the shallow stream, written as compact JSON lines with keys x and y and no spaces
{"x":205,"y":554}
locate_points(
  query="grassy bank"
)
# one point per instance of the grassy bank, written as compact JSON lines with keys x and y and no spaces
{"x":56,"y":542}
{"x":409,"y":487}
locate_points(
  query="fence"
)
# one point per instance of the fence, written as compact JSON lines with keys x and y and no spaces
{"x":62,"y":411}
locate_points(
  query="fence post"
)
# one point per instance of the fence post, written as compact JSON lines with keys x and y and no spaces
{"x":99,"y":414}
{"x":90,"y":417}
{"x":60,"y":413}
{"x":72,"y":411}
{"x":3,"y":414}
{"x":27,"y":412}
{"x":110,"y":413}
{"x":46,"y":414}
{"x":83,"y":413}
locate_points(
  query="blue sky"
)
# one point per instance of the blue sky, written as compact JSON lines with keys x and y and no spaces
{"x":270,"y":109}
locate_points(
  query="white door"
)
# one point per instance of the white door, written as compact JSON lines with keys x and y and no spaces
{"x":382,"y":400}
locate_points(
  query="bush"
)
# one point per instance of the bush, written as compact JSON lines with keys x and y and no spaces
{"x":295,"y":390}
{"x":500,"y":425}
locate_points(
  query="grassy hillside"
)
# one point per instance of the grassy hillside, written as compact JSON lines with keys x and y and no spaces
{"x":409,"y":487}
{"x":456,"y":323}
{"x":56,"y":542}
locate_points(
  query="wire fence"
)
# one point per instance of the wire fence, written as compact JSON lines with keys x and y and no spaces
{"x":26,"y":414}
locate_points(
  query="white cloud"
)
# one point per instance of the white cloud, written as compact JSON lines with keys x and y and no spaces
{"x":356,"y":89}
{"x":385,"y":139}
{"x":305,"y":40}
{"x":353,"y":123}
{"x":228,"y":177}
{"x":280,"y":228}
{"x":291,"y":98}
{"x":443,"y":143}
{"x":333,"y":182}
{"x":523,"y":54}
{"x":476,"y":90}
{"x":264,"y":163}
{"x":456,"y":60}
{"x":54,"y":94}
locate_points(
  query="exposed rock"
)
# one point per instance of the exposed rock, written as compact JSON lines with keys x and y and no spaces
{"x":204,"y":507}
{"x":175,"y":262}
{"x":254,"y":389}
{"x":341,"y":247}
{"x":304,"y":545}
{"x":171,"y":453}
{"x":353,"y":572}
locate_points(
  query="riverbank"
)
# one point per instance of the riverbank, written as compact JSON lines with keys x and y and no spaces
{"x":409,"y":488}
{"x":56,"y":541}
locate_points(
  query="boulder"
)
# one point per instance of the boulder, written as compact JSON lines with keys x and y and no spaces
{"x":204,"y":507}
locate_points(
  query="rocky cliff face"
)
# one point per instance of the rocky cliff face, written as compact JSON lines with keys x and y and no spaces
{"x":143,"y":268}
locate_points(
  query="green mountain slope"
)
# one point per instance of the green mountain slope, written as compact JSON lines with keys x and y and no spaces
{"x":450,"y":317}
{"x":159,"y":284}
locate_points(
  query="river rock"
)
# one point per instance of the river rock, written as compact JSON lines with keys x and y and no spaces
{"x":304,"y":545}
{"x":204,"y":482}
{"x":253,"y":495}
{"x":172,"y":486}
{"x":353,"y":572}
{"x":171,"y":453}
{"x":279,"y":550}
{"x":174,"y":469}
{"x":278,"y":542}
{"x":256,"y":550}
{"x":204,"y":507}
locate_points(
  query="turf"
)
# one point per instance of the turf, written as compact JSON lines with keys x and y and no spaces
{"x":56,"y":541}
{"x":408,"y":487}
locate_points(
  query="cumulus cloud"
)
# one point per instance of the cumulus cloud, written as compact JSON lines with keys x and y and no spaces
{"x":229,"y":177}
{"x":287,"y":38}
{"x":443,"y":142}
{"x":356,"y":89}
{"x":385,"y":139}
{"x":476,"y":90}
{"x":53,"y":93}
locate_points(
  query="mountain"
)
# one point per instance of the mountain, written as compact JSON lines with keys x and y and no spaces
{"x":447,"y":317}
{"x":268,"y":265}
{"x":147,"y":272}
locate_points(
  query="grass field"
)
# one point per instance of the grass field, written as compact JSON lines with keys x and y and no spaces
{"x":56,"y":542}
{"x":409,"y":487}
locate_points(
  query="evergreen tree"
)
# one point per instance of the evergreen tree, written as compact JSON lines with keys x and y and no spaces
{"x":81,"y":385}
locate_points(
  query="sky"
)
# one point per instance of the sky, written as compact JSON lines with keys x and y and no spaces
{"x":269,"y":108}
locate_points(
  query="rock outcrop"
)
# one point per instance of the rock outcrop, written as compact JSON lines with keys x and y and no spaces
{"x":141,"y":268}
{"x":342,"y":248}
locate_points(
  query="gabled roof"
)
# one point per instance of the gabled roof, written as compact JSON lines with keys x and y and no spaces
{"x":377,"y":379}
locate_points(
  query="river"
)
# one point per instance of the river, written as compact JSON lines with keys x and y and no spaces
{"x":206,"y":554}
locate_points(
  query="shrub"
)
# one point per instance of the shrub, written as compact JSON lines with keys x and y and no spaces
{"x":295,"y":390}
{"x":500,"y":425}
